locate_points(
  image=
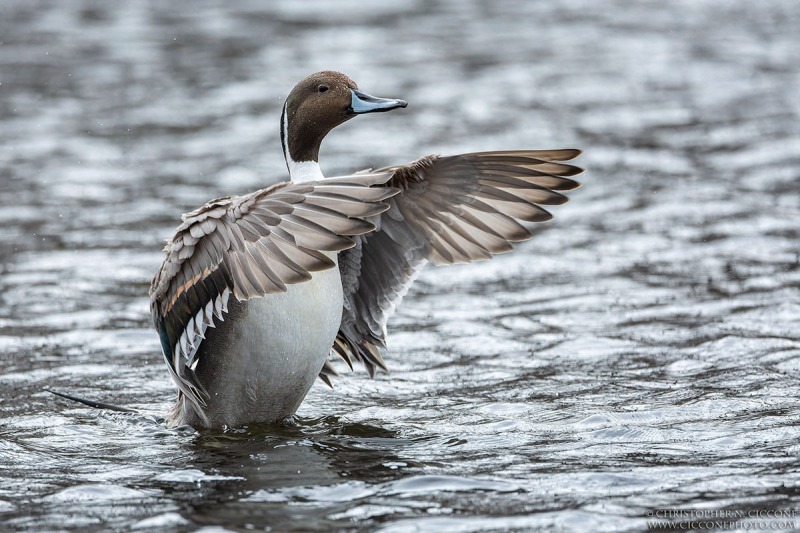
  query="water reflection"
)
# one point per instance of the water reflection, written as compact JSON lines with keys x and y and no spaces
{"x":317,"y":467}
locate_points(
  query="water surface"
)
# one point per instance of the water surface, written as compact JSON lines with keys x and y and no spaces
{"x":640,"y":353}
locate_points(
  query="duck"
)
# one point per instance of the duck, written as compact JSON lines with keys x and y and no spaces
{"x":257,"y":294}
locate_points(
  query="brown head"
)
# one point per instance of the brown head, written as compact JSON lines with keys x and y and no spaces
{"x":318,"y":104}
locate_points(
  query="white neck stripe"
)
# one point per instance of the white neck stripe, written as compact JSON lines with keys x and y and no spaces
{"x":285,"y":138}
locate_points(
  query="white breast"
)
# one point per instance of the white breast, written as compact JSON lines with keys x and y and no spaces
{"x":262,"y":360}
{"x":302,"y":171}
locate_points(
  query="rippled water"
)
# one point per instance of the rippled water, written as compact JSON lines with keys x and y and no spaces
{"x":642,"y":352}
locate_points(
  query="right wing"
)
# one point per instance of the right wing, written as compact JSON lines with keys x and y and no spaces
{"x":455,"y":209}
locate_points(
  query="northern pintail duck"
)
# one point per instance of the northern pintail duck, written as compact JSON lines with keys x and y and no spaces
{"x":256,"y":291}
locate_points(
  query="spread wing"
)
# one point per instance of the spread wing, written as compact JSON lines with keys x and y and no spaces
{"x":450,"y":210}
{"x":250,"y":246}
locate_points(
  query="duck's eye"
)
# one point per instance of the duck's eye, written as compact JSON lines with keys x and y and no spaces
{"x":322,"y":88}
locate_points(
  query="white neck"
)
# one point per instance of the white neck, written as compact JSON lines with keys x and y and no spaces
{"x":299,"y":171}
{"x":302,"y":171}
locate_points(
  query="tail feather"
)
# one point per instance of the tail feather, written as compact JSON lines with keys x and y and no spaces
{"x":92,"y":403}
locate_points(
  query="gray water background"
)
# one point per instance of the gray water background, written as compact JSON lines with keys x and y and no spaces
{"x":641,"y":353}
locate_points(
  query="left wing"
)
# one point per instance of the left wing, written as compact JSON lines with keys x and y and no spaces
{"x":251,"y":246}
